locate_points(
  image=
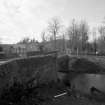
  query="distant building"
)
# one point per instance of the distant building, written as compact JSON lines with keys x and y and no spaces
{"x":19,"y":49}
{"x":31,"y":47}
{"x":23,"y":49}
{"x":6,"y":50}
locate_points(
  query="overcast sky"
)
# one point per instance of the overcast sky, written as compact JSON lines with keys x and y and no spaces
{"x":20,"y":18}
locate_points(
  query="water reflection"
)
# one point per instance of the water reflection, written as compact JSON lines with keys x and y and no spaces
{"x":84,"y":82}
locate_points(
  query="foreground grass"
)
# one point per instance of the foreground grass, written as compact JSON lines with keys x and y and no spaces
{"x":44,"y":95}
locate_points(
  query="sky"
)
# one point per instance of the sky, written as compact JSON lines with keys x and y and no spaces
{"x":28,"y":18}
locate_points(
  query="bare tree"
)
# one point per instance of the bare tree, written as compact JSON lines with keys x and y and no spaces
{"x":101,"y":39}
{"x":43,"y":36}
{"x":94,"y":40}
{"x":64,"y":43}
{"x":78,"y":35}
{"x":83,"y":29}
{"x":102,"y":32}
{"x":25,"y":40}
{"x":54,"y":29}
{"x":73,"y":34}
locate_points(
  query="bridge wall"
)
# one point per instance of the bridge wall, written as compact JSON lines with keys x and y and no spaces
{"x":41,"y":69}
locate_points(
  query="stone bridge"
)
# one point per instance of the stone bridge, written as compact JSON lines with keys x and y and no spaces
{"x":34,"y":70}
